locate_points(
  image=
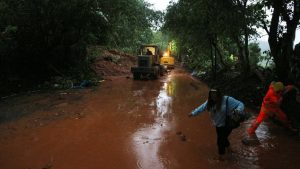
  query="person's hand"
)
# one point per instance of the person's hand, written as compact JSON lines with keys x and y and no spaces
{"x":190,"y":115}
{"x":236,"y":111}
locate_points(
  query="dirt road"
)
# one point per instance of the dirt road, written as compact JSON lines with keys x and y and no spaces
{"x":126,"y":124}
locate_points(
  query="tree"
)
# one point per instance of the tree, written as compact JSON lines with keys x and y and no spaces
{"x":130,"y":22}
{"x":202,"y":24}
{"x":281,"y":31}
{"x":50,"y":35}
{"x":42,"y":38}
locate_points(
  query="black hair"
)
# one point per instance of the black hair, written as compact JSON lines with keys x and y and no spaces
{"x":211,"y":103}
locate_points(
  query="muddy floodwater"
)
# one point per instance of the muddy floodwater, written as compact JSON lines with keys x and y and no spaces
{"x":127,"y":124}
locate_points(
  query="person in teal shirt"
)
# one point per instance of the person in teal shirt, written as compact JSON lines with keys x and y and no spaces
{"x":218,"y":105}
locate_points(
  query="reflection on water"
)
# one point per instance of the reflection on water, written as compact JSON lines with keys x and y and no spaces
{"x":147,"y":141}
{"x":170,"y":87}
{"x":164,"y":101}
{"x":263,"y":132}
{"x":248,"y":156}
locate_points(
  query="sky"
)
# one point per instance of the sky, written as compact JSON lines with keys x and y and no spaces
{"x":162,"y":5}
{"x":159,"y":4}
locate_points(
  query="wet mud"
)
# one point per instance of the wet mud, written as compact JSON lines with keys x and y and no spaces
{"x":131,"y":125}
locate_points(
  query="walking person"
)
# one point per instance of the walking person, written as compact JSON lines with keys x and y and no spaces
{"x":219,"y":106}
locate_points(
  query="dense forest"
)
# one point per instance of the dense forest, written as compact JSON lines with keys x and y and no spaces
{"x":40,"y":39}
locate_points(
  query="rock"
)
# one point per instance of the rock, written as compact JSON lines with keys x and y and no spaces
{"x":48,"y":166}
{"x":250,"y":141}
{"x":183,"y":138}
{"x":61,"y":104}
{"x":178,"y":132}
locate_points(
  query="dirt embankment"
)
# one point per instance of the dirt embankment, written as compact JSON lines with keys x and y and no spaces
{"x":113,"y":63}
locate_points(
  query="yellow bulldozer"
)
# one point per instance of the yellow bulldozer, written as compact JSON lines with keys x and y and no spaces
{"x":167,"y":60}
{"x":148,"y":63}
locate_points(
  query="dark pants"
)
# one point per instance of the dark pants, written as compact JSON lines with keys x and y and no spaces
{"x":222,"y":138}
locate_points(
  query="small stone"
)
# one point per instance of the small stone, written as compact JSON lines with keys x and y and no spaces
{"x":179,"y":133}
{"x":47,"y":166}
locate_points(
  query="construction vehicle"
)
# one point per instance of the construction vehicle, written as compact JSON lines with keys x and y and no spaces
{"x":148,"y":65}
{"x":167,"y":60}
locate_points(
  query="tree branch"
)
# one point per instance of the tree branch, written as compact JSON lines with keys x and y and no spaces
{"x":265,"y":26}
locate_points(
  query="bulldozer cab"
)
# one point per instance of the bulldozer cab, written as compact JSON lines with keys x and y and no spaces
{"x":151,"y":50}
{"x":146,"y":50}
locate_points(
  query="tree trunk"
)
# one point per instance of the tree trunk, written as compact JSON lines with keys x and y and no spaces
{"x":282,"y":47}
{"x":246,"y":69}
{"x":213,"y":66}
{"x":243,"y":44}
{"x":218,"y":51}
{"x":241,"y":55}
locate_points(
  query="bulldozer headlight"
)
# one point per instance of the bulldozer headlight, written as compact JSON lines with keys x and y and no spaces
{"x":166,"y":54}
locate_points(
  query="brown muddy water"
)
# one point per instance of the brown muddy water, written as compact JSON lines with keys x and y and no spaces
{"x":126,"y":124}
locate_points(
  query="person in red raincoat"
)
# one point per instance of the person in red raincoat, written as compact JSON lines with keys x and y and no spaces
{"x":271,"y":108}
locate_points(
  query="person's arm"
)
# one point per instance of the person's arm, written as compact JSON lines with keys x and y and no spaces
{"x":271,"y":99}
{"x":235,"y":104}
{"x":199,"y":109}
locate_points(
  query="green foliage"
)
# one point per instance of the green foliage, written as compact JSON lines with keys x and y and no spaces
{"x":160,"y":39}
{"x":130,"y":23}
{"x":266,"y":60}
{"x":93,"y":52}
{"x":174,"y":48}
{"x":200,"y":24}
{"x":254,"y":54}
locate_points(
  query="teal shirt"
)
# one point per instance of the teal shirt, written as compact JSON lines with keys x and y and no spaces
{"x":218,"y":118}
